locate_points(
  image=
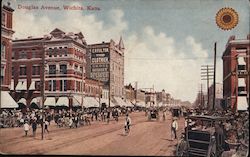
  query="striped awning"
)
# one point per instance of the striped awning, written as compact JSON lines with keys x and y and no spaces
{"x":241,"y":82}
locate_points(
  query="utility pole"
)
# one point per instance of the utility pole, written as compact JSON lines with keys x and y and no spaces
{"x":43,"y":87}
{"x":136,"y":92}
{"x":99,"y":93}
{"x":214,"y":75}
{"x":109,"y":79}
{"x":206,"y":74}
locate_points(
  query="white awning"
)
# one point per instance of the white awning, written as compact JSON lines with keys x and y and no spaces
{"x":120,"y":101}
{"x":24,"y":86}
{"x":19,"y":85}
{"x":50,"y":101}
{"x":22,"y":101}
{"x":12,"y":85}
{"x":241,"y":61}
{"x":242,"y":103}
{"x":106,"y":101}
{"x":77,"y":100}
{"x":90,"y":102}
{"x":63,"y":101}
{"x":7,"y":101}
{"x":37,"y":101}
{"x":241,"y":82}
{"x":32,"y":86}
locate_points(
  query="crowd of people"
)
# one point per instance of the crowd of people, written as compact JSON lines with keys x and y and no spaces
{"x":32,"y":118}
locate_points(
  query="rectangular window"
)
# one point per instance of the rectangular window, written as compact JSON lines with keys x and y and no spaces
{"x":61,"y":85}
{"x":2,"y":74}
{"x":50,"y":85}
{"x":50,"y":52}
{"x":241,"y":67}
{"x":54,"y":85}
{"x":55,"y":52}
{"x":13,"y":55}
{"x":22,"y":70}
{"x":52,"y":69}
{"x":63,"y":69}
{"x":65,"y":85}
{"x":35,"y":70}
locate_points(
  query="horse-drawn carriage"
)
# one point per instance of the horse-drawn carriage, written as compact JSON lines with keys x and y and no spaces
{"x":201,"y":137}
{"x":176,"y":111}
{"x":153,"y":113}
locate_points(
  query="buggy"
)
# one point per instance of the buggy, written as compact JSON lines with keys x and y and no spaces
{"x":203,"y":141}
{"x":153,"y":114}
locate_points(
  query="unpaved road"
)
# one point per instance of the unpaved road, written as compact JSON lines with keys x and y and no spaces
{"x":146,"y":138}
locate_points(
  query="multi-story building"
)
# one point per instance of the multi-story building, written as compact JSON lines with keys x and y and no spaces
{"x":6,"y":46}
{"x":129,"y":93}
{"x":161,"y":98}
{"x":106,"y":63}
{"x":236,"y":70}
{"x":59,"y":59}
{"x":6,"y":51}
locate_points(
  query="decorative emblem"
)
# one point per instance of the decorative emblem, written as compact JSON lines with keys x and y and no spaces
{"x":227,"y":18}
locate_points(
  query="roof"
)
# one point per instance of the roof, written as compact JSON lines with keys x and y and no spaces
{"x":207,"y":118}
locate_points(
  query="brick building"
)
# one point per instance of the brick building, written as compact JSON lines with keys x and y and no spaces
{"x":236,"y":69}
{"x":106,"y":63}
{"x":6,"y":46}
{"x":6,"y":50}
{"x":64,"y":63}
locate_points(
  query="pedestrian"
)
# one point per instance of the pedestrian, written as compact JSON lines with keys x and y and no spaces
{"x":76,"y":121}
{"x":26,"y":128}
{"x":174,"y":128}
{"x":34,"y":126}
{"x":46,"y":126}
{"x":70,"y":122}
{"x":127,"y":124}
{"x":164,"y":115}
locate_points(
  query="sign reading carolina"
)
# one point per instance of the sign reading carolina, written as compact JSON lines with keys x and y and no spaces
{"x":99,"y":59}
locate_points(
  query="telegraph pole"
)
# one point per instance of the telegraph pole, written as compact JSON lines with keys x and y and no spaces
{"x":214,"y":75}
{"x":99,"y":93}
{"x":206,"y":74}
{"x":43,"y":87}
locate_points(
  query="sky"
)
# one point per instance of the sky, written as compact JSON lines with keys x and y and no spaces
{"x":166,"y":41}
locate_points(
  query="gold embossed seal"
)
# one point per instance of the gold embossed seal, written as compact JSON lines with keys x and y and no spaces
{"x":227,"y":18}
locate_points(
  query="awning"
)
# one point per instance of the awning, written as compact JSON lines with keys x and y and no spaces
{"x":12,"y":85}
{"x":90,"y":102}
{"x":37,"y":101}
{"x":63,"y":101}
{"x":241,"y":61}
{"x":242,"y":103}
{"x":19,"y":85}
{"x":24,"y":86}
{"x":50,"y":101}
{"x":22,"y":101}
{"x":241,"y":82}
{"x":120,"y":101}
{"x":32,"y":86}
{"x":7,"y":101}
{"x":77,"y":100}
{"x":106,"y":101}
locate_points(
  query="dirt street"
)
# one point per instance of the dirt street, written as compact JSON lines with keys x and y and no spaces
{"x":146,"y":138}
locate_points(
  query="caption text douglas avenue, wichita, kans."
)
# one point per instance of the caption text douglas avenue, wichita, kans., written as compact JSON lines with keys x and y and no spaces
{"x":64,"y":7}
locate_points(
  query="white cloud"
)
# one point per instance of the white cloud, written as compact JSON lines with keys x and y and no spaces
{"x":165,"y":70}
